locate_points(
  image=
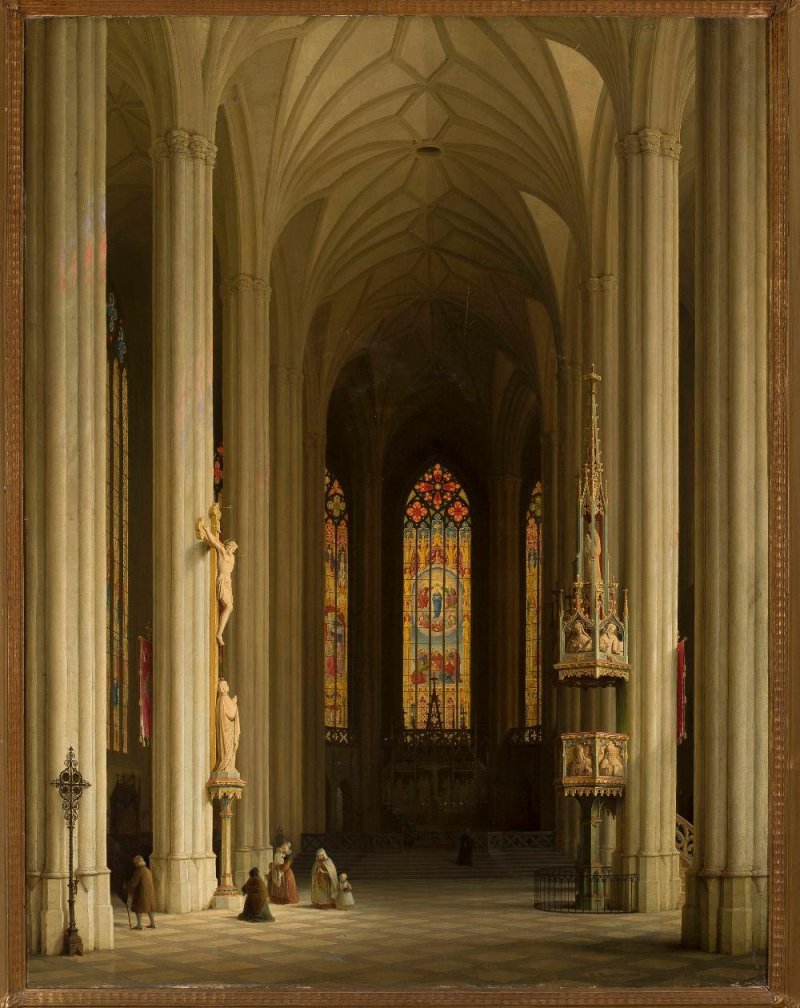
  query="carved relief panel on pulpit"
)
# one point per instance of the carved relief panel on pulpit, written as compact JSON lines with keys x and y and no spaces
{"x":592,"y":763}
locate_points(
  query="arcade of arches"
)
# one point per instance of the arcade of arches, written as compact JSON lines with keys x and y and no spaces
{"x":365,"y":256}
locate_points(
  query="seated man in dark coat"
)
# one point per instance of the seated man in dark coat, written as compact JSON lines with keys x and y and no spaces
{"x":141,"y":892}
{"x":256,"y":907}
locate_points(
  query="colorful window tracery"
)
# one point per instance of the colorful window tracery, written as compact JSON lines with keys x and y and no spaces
{"x":117,"y":558}
{"x":335,"y":633}
{"x":533,"y":609}
{"x":437,"y":610}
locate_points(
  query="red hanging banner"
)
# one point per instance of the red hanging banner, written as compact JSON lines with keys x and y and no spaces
{"x":145,"y":690}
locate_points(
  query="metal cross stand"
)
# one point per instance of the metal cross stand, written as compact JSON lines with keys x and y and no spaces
{"x":71,"y":786}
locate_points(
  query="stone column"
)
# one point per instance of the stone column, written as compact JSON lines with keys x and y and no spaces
{"x":648,"y":479}
{"x":726,"y":900}
{"x":506,"y":533}
{"x":313,"y":649}
{"x":245,"y":368}
{"x":65,"y":473}
{"x":505,"y":694}
{"x":286,"y":621}
{"x":568,"y":701}
{"x":367,"y":509}
{"x":183,"y":862}
{"x":552,"y":521}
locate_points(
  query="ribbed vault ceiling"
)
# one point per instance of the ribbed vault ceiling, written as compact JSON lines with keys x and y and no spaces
{"x":421,"y":179}
{"x":362,"y":99}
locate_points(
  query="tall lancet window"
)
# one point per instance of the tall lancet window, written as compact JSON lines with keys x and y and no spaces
{"x":335,"y":631}
{"x":437,"y":603}
{"x":117,"y":556}
{"x":533,"y":610}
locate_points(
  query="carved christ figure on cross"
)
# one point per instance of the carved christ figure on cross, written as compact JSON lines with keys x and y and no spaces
{"x":225,"y":562}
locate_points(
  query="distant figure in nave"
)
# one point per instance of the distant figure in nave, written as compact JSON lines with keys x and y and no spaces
{"x":142,"y":892}
{"x":466,"y":846}
{"x":324,"y":882}
{"x":345,"y":898}
{"x":284,"y":884}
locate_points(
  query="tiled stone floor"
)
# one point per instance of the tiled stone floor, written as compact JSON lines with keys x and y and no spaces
{"x":458,"y":933}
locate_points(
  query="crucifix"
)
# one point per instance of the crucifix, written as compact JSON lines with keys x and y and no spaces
{"x":71,"y":785}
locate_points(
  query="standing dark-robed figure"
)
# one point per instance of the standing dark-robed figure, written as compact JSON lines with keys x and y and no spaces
{"x":141,"y":892}
{"x":465,"y":847}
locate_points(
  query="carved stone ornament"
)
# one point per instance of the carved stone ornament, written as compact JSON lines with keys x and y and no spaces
{"x":592,"y":763}
{"x":593,"y":638}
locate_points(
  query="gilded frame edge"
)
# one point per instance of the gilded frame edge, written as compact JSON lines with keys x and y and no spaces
{"x":784,"y":559}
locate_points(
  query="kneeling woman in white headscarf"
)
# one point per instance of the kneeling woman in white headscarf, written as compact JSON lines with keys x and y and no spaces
{"x":324,"y":882}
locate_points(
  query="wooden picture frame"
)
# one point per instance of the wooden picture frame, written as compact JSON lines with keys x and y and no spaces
{"x":783,"y":985}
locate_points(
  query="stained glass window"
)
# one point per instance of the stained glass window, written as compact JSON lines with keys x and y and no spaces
{"x":117,"y":558}
{"x":533,"y":610}
{"x":336,"y":586}
{"x":437,"y":611}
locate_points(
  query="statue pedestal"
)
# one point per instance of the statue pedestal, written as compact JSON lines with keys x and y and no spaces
{"x":226,"y":787}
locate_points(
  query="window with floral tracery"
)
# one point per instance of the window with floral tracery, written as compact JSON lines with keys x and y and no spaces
{"x":117,"y":555}
{"x":437,"y":609}
{"x":533,"y":609}
{"x":335,"y":632}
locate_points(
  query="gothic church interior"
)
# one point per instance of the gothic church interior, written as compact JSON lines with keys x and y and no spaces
{"x":348,"y":277}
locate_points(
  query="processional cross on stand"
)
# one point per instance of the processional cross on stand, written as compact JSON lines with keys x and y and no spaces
{"x":71,"y":785}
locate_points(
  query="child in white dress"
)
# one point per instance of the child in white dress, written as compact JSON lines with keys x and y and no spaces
{"x":344,"y":898}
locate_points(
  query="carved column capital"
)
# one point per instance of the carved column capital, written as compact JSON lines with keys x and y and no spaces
{"x":649,"y":141}
{"x":670,"y":147}
{"x":287,"y":375}
{"x":605,"y":284}
{"x":178,"y":142}
{"x":313,"y":441}
{"x":608,"y":283}
{"x":182,"y":143}
{"x":244,"y":282}
{"x":158,"y":149}
{"x":507,"y":477}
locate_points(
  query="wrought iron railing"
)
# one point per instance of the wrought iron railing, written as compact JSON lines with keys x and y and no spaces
{"x":340,"y":736}
{"x":595,"y":890}
{"x":525,"y":736}
{"x":505,"y":840}
{"x":684,"y":839}
{"x":351,"y":843}
{"x":435,"y":738}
